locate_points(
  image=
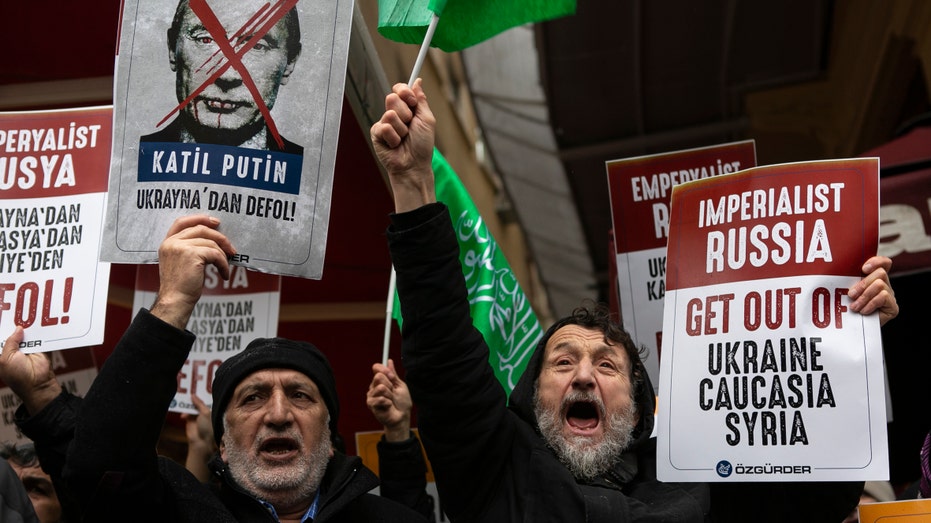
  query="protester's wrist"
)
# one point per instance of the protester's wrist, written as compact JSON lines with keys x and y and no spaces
{"x":39,"y":397}
{"x":173,"y":310}
{"x":397,"y":433}
{"x":412,"y":190}
{"x":202,"y":449}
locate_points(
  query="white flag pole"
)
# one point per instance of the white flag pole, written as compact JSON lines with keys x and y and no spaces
{"x":389,"y":312}
{"x":424,"y":47}
{"x":392,"y":282}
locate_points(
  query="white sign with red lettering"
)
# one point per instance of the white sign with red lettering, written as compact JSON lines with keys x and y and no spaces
{"x":640,"y":189}
{"x":229,"y":315}
{"x":53,"y":188}
{"x":767,"y":374}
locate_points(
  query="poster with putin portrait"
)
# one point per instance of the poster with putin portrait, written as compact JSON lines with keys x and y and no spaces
{"x":232,"y":109}
{"x":767,"y":374}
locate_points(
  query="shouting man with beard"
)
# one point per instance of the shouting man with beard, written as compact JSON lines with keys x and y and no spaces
{"x":274,"y":415}
{"x":573,"y":443}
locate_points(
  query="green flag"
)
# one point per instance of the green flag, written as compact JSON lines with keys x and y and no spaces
{"x":462,"y":23}
{"x":500,"y":310}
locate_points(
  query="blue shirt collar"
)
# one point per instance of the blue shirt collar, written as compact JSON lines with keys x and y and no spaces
{"x":308,"y":516}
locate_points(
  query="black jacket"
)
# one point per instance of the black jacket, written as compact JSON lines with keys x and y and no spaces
{"x":403,"y":474}
{"x":111,"y":471}
{"x":490,"y":462}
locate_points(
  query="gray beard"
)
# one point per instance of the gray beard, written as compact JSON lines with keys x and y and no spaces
{"x":280,"y":486}
{"x":584,"y":458}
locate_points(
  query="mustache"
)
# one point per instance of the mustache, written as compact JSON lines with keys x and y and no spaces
{"x":273,"y":434}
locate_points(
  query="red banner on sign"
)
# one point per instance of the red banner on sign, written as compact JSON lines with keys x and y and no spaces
{"x":750,"y":228}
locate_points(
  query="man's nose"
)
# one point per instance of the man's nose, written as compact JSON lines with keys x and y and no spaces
{"x":278,"y":410}
{"x":230,"y":79}
{"x":584,"y":377}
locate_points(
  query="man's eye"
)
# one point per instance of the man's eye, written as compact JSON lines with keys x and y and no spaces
{"x":205,"y":40}
{"x":303,"y":396}
{"x":36,"y":487}
{"x":260,"y":45}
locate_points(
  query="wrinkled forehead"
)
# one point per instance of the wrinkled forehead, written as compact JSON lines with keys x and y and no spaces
{"x":33,"y":470}
{"x":578,"y":335}
{"x":234,"y":15}
{"x":271,"y":377}
{"x":576,"y":339}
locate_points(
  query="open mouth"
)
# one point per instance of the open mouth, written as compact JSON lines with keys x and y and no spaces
{"x":277,"y":448}
{"x":582,"y":415}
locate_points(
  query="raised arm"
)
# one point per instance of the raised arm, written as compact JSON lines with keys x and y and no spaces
{"x":192,"y":243}
{"x":29,"y":376}
{"x":390,"y":402}
{"x":112,"y":465}
{"x":461,"y":407}
{"x":200,"y":443}
{"x":401,"y":465}
{"x":403,"y":139}
{"x":47,"y":415}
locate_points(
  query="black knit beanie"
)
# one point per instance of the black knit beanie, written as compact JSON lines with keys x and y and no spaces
{"x":274,"y":353}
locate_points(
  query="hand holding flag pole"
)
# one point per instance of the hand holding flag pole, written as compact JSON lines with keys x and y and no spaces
{"x":436,"y":8}
{"x":466,"y":23}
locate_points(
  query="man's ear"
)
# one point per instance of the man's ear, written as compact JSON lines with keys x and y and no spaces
{"x":288,"y":69}
{"x":171,"y":57}
{"x":222,"y":450}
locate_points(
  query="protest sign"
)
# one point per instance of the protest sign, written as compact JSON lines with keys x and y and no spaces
{"x":229,"y":315}
{"x":75,"y":370}
{"x":53,"y":182}
{"x":907,"y":511}
{"x":205,"y":98}
{"x":767,"y":375}
{"x":640,"y":189}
